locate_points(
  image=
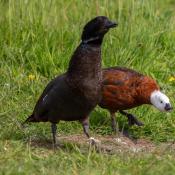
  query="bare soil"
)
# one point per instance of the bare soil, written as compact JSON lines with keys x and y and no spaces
{"x":107,"y":144}
{"x":111,"y":144}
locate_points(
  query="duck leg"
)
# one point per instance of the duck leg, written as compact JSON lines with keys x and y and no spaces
{"x":114,"y":124}
{"x":131,"y":119}
{"x":54,"y":129}
{"x":85,"y":124}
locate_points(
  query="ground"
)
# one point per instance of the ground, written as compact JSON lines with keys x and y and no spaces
{"x":105,"y":144}
{"x":37,"y":39}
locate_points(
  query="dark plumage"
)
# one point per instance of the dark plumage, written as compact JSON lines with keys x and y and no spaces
{"x":123,"y":89}
{"x":73,"y":95}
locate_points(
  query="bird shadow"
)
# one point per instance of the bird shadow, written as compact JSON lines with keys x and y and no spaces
{"x":40,"y":143}
{"x":128,"y":134}
{"x":67,"y":145}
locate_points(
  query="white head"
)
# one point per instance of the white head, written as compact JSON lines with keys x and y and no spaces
{"x":160,"y":101}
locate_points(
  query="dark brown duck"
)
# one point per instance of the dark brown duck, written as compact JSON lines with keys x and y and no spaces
{"x":73,"y":95}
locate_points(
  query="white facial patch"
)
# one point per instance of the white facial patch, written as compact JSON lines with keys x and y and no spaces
{"x":159,"y":100}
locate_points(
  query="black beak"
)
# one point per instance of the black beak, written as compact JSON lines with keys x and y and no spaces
{"x":111,"y":24}
{"x":168,"y":107}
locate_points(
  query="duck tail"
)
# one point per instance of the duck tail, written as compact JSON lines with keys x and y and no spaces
{"x":31,"y":118}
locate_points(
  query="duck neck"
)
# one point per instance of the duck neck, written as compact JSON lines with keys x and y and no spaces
{"x":85,"y":64}
{"x":144,"y":90}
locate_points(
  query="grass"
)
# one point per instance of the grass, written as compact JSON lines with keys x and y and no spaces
{"x":37,"y":37}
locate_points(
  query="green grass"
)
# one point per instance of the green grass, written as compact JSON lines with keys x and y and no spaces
{"x":38,"y":37}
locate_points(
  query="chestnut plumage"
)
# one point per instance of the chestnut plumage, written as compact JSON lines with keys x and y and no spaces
{"x":73,"y":95}
{"x":123,"y":89}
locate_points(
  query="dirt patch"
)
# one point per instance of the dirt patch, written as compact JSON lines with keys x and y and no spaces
{"x":111,"y":144}
{"x":106,"y":144}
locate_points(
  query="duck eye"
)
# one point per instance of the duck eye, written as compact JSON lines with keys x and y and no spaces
{"x":161,"y":101}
